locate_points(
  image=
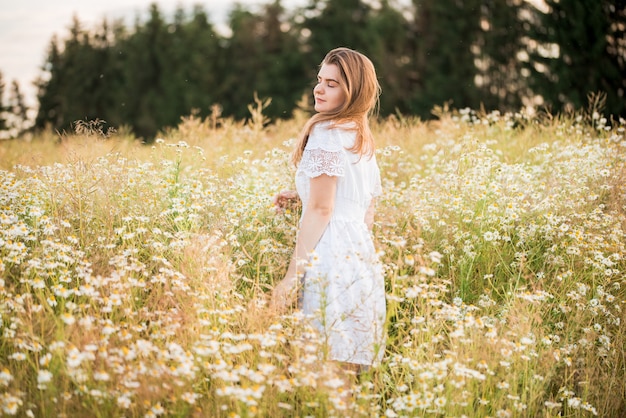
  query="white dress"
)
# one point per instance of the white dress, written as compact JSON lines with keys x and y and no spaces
{"x":344,"y":291}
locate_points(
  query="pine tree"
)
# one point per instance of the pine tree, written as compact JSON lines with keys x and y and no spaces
{"x":389,"y":53}
{"x":502,"y":82}
{"x":261,"y":56}
{"x":3,"y":107}
{"x":444,"y":33}
{"x":579,"y":49}
{"x":13,"y":112}
{"x":145,"y":70}
{"x":18,"y":109}
{"x":200,"y":62}
{"x":50,"y":90}
{"x":336,"y":23}
{"x":242,"y":64}
{"x":76,"y":86}
{"x":285,"y":77}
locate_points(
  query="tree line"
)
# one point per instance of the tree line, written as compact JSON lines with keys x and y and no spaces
{"x":13,"y":110}
{"x":493,"y":55}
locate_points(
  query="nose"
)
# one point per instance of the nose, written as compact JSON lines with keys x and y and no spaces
{"x":317,"y":88}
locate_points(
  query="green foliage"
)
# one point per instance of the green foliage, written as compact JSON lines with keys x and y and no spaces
{"x":579,"y":50}
{"x":444,"y":33}
{"x":496,"y":55}
{"x":332,"y":23}
{"x":3,"y":122}
{"x":500,"y":78}
{"x":13,"y":111}
{"x":261,"y":56}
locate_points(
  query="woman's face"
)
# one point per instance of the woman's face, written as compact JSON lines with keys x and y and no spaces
{"x":329,"y":95}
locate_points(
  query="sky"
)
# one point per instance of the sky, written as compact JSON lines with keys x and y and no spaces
{"x":27,"y":27}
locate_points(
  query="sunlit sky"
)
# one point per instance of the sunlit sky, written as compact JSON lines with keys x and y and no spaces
{"x":27,"y":26}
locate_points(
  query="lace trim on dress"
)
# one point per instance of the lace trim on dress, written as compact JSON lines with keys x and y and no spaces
{"x":316,"y":162}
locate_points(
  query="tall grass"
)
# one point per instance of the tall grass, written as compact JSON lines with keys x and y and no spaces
{"x":133,"y":277}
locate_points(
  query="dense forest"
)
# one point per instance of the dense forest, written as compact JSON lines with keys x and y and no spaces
{"x":493,"y":55}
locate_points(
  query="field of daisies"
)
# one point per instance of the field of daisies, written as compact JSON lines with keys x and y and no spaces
{"x":133,"y":278}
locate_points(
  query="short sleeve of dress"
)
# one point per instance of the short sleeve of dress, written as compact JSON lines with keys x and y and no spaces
{"x":323,"y":154}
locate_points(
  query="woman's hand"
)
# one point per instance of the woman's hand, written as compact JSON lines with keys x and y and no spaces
{"x":284,"y":295}
{"x":285,"y":199}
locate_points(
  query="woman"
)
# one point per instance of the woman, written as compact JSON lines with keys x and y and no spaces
{"x":337,"y":180}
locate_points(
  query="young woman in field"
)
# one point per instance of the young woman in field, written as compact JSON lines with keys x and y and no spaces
{"x":334,"y":267}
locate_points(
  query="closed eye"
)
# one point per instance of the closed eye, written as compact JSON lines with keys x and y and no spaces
{"x":329,"y":82}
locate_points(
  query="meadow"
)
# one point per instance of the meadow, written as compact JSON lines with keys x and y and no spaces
{"x":133,"y":278}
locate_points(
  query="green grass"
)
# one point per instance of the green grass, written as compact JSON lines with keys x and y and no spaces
{"x":134,"y":277}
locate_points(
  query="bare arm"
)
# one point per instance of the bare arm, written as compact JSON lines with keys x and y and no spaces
{"x":316,"y":216}
{"x":369,"y":215}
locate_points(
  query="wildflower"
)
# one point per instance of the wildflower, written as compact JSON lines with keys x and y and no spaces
{"x":588,"y":407}
{"x":489,"y":236}
{"x":285,"y":406}
{"x":605,"y":340}
{"x":45,"y":359}
{"x":18,"y":356}
{"x":491,"y":332}
{"x":413,"y":292}
{"x":74,"y":358}
{"x":552,"y":405}
{"x":10,"y":404}
{"x":520,"y":406}
{"x":334,"y":383}
{"x":56,"y":345}
{"x":502,"y":385}
{"x":5,"y":377}
{"x":38,"y":283}
{"x":399,"y":242}
{"x":390,"y":413}
{"x":101,"y":376}
{"x":574,"y":402}
{"x":435,"y":257}
{"x":43,"y":377}
{"x":108,"y":330}
{"x":86,"y":322}
{"x":266,"y":368}
{"x":68,"y":318}
{"x":157,"y":409}
{"x":427,"y":271}
{"x":190,"y":397}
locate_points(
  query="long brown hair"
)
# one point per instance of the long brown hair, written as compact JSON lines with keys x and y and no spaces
{"x":362,"y":90}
